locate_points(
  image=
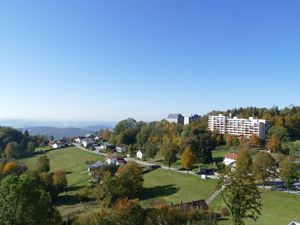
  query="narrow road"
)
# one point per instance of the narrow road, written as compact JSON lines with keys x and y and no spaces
{"x":208,"y":201}
{"x":137,"y":161}
{"x":214,"y":196}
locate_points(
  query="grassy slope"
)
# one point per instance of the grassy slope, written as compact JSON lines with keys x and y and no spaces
{"x":278,"y":208}
{"x":71,"y":160}
{"x":175,"y":187}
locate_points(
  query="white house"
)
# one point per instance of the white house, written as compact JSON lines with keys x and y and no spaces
{"x":230,"y":159}
{"x":79,"y":139}
{"x":114,"y":160}
{"x":95,"y":166}
{"x":294,"y":223}
{"x":58,"y":144}
{"x":139,"y":154}
{"x":106,"y":146}
{"x":87,"y":142}
{"x":121,"y":148}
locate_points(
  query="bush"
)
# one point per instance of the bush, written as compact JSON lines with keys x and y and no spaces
{"x":224,"y":212}
{"x":83,"y":194}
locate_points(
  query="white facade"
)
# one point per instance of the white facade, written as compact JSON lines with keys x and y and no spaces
{"x":78,"y":140}
{"x":111,"y":161}
{"x":121,"y":149}
{"x":87,"y":142}
{"x":238,"y":126}
{"x":57,"y":145}
{"x":229,"y":161}
{"x":139,"y":154}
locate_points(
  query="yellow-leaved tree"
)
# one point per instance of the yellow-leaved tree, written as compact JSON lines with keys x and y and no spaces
{"x":188,"y":158}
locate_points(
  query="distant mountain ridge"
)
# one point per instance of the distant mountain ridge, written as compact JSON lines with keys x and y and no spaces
{"x":90,"y":125}
{"x":58,"y":133}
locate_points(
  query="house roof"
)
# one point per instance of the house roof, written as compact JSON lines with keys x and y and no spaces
{"x":231,"y":156}
{"x":95,"y":165}
{"x":173,"y":115}
{"x":199,"y":204}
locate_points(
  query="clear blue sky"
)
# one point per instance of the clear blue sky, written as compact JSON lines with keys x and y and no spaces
{"x":109,"y":60}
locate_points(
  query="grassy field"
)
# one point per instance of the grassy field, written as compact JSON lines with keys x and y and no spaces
{"x":72,"y":160}
{"x":278,"y":208}
{"x":174,"y":187}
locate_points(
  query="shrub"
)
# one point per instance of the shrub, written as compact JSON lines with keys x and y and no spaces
{"x":224,"y":212}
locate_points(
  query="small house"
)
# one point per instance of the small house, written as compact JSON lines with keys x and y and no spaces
{"x":121,"y":148}
{"x":58,"y":144}
{"x":140,"y":154}
{"x":106,"y":146}
{"x":79,"y":139}
{"x":87,"y":142}
{"x":95,"y":166}
{"x":230,"y":159}
{"x":114,"y":160}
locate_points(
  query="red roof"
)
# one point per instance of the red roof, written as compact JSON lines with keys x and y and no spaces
{"x":231,"y":156}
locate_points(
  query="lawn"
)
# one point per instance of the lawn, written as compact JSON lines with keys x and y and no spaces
{"x":72,"y":160}
{"x":278,"y":208}
{"x":175,"y":187}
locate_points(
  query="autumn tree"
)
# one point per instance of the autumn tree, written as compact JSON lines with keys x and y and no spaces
{"x":274,"y":144}
{"x":279,"y":132}
{"x":13,"y":167}
{"x":168,"y":152}
{"x":288,"y":172}
{"x":130,"y":179}
{"x":12,"y":150}
{"x":43,"y":164}
{"x":108,"y":190}
{"x":127,"y":182}
{"x":106,"y":134}
{"x":240,"y":192}
{"x":231,"y":140}
{"x":188,"y":158}
{"x":264,"y":167}
{"x":254,"y":140}
{"x":60,"y":180}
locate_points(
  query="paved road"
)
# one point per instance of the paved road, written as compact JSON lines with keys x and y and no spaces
{"x":208,"y":201}
{"x":136,"y":160}
{"x":213,"y":196}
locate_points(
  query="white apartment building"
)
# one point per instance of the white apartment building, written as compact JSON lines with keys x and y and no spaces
{"x":238,"y":126}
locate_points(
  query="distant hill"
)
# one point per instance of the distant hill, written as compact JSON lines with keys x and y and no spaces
{"x":58,"y":133}
{"x":98,"y":127}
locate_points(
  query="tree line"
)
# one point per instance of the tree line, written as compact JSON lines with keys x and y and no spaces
{"x":26,"y":196}
{"x":16,"y":144}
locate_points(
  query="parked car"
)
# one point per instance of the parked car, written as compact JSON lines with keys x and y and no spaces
{"x":155,"y":166}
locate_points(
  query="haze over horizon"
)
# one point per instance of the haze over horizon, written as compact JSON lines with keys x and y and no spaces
{"x":107,"y":61}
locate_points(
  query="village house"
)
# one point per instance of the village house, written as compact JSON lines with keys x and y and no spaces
{"x":87,"y":142}
{"x":230,"y":159}
{"x":106,"y":146}
{"x":95,"y":166}
{"x":79,"y":139}
{"x":114,"y":160}
{"x":140,"y":154}
{"x":121,"y":148}
{"x":58,"y":144}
